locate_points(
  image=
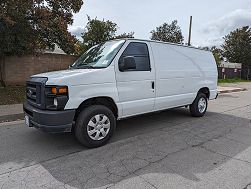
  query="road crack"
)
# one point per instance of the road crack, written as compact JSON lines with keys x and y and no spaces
{"x":227,"y":156}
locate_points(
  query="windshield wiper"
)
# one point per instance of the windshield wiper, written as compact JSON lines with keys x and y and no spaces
{"x":89,"y":67}
{"x":85,"y":67}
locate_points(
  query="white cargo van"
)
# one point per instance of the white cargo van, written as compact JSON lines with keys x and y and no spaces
{"x":119,"y":79}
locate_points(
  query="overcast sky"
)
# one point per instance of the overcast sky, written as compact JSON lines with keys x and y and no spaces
{"x":212,"y":19}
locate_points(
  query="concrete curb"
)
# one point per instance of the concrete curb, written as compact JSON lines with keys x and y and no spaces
{"x":231,"y":90}
{"x":13,"y":117}
{"x":11,"y":123}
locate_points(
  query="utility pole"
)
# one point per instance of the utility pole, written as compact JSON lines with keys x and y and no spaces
{"x":190,"y":31}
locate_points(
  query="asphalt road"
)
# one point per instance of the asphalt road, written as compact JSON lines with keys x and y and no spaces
{"x":169,"y":149}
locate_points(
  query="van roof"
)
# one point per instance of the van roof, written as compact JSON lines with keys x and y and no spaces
{"x":146,"y":40}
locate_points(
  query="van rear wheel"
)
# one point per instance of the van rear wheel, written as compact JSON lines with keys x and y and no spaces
{"x":95,"y":125}
{"x":199,"y":106}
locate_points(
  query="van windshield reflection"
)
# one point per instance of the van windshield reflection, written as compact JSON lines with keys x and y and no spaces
{"x":99,"y":56}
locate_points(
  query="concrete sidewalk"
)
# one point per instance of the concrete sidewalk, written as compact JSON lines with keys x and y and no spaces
{"x":15,"y":112}
{"x":11,"y":112}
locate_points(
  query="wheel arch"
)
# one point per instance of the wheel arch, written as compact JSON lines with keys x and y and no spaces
{"x":102,"y":100}
{"x":206,"y":91}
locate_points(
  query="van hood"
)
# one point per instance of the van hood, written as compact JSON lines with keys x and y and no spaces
{"x":77,"y":76}
{"x":63,"y":73}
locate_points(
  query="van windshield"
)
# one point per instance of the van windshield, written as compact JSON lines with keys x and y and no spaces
{"x":99,"y":56}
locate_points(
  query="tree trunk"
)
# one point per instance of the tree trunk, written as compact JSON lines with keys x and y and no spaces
{"x":248,"y":74}
{"x":2,"y":71}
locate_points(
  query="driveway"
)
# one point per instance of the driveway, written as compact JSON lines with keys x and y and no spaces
{"x":169,"y":149}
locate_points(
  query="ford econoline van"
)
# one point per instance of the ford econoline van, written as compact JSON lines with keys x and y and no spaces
{"x":119,"y":79}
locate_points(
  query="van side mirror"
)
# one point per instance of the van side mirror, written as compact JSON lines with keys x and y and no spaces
{"x":128,"y":63}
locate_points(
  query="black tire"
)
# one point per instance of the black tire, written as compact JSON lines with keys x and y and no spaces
{"x":194,"y":107}
{"x":82,"y":125}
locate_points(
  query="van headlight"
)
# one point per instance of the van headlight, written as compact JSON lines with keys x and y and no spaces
{"x":56,"y":97}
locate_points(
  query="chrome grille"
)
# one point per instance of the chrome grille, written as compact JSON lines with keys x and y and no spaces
{"x":31,"y":92}
{"x":35,"y":91}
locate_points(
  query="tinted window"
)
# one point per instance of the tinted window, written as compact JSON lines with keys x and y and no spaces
{"x":141,"y":55}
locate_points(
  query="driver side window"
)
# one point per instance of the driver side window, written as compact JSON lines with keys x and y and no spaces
{"x":139,"y":51}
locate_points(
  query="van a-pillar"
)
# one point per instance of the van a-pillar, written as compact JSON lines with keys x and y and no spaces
{"x":190,"y":31}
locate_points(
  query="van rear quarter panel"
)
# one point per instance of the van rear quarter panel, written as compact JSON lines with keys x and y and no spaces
{"x":206,"y":66}
{"x":180,"y":73}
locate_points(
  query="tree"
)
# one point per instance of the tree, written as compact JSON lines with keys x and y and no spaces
{"x":217,"y":52}
{"x":237,"y":45}
{"x":168,"y":33}
{"x":124,"y":35}
{"x":98,"y":31}
{"x":28,"y":27}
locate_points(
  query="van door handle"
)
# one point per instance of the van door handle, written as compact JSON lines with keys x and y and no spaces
{"x":153,"y":85}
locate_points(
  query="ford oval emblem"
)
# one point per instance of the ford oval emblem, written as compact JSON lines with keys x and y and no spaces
{"x":29,"y":92}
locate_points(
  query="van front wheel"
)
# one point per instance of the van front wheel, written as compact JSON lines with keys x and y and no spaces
{"x":199,"y":106}
{"x":95,"y":126}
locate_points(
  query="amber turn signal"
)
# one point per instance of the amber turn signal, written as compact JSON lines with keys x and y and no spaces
{"x":61,"y":90}
{"x":54,"y":90}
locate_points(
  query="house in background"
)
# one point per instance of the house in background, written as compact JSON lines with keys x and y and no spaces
{"x":56,"y":50}
{"x":229,"y":70}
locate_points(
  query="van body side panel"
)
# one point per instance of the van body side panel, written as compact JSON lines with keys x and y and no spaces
{"x":100,"y":84}
{"x":135,"y":87}
{"x":172,"y":73}
{"x":180,"y":73}
{"x":205,"y":64}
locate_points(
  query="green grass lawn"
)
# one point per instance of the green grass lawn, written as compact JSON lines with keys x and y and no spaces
{"x":234,"y":80}
{"x":12,"y":95}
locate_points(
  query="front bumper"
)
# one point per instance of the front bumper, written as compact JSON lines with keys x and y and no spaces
{"x":49,"y":121}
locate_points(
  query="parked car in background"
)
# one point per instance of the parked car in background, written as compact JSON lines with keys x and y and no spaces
{"x":119,"y":79}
